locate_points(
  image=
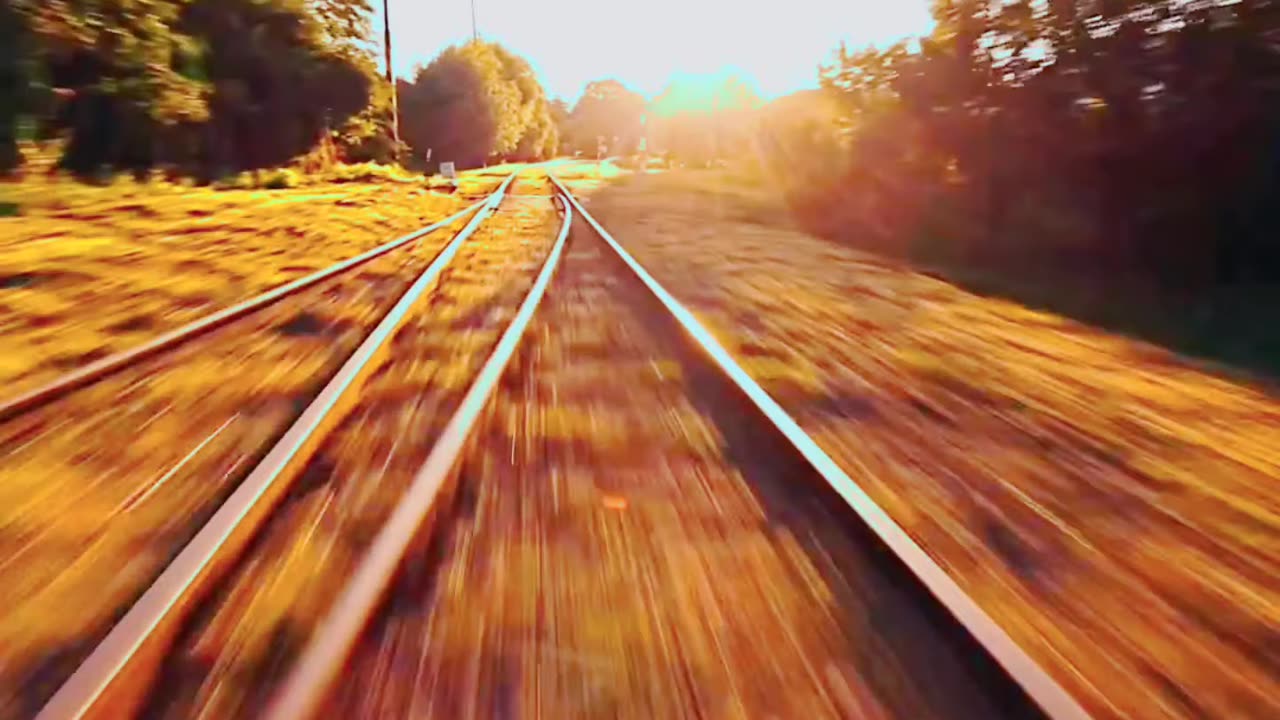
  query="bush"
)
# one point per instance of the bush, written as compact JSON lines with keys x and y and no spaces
{"x":277,"y":179}
{"x":440,"y":182}
{"x":280,"y":179}
{"x":369,"y":173}
{"x":239,"y":181}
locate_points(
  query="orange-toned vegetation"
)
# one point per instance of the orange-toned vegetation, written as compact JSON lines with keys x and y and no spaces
{"x":622,"y":548}
{"x":273,"y":601}
{"x":87,"y":271}
{"x":1114,"y":507}
{"x":1111,"y":505}
{"x":99,"y":488}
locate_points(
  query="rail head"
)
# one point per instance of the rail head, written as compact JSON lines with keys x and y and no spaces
{"x":1043,"y":690}
{"x":312,"y":676}
{"x":196,"y":566}
{"x":98,"y":369}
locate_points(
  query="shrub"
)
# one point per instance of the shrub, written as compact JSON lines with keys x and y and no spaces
{"x":279,"y":179}
{"x":240,"y":181}
{"x":369,"y":173}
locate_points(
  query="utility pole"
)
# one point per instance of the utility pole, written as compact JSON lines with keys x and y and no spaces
{"x":475,"y":34}
{"x":391,"y":80}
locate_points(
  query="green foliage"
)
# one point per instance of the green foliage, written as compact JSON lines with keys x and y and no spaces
{"x":279,"y":179}
{"x":207,"y":85}
{"x":446,"y":112}
{"x":475,"y":102}
{"x":368,"y":172}
{"x":541,"y":138}
{"x":536,"y":136}
{"x":277,"y":88}
{"x":1014,"y":103}
{"x":797,"y":143}
{"x":270,"y":179}
{"x":345,"y":24}
{"x":119,"y":66}
{"x":367,"y":136}
{"x":123,"y":51}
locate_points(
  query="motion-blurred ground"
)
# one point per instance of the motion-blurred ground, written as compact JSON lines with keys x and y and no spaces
{"x":1114,"y":507}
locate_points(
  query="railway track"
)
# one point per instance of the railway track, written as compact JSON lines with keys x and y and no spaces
{"x":608,"y":518}
{"x":27,"y":400}
{"x":106,"y":472}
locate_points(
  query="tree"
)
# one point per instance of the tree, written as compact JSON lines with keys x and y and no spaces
{"x":278,"y":88}
{"x":541,"y":138}
{"x":196,"y":84}
{"x":131,"y":77}
{"x":1110,"y":145}
{"x":538,"y":137}
{"x":702,"y":119}
{"x":15,"y":81}
{"x":607,"y":109}
{"x":367,"y":136}
{"x":347,"y":29}
{"x":475,"y":102}
{"x":559,"y":110}
{"x":346,"y":24}
{"x":799,"y":141}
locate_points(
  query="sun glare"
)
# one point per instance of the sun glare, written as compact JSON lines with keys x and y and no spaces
{"x":705,"y":93}
{"x":774,"y":47}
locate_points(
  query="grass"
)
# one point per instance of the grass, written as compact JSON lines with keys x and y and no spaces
{"x":1232,"y":325}
{"x":360,"y":470}
{"x":372,"y":172}
{"x":1237,"y":327}
{"x":611,"y":557}
{"x":98,"y":490}
{"x":1081,"y":485}
{"x":92,"y":270}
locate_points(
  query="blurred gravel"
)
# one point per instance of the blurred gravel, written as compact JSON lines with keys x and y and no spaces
{"x":1116,"y":508}
{"x":629,"y":542}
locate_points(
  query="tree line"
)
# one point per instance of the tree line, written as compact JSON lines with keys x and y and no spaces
{"x":213,"y":87}
{"x":473,"y":103}
{"x":1114,"y":159}
{"x":695,"y":120}
{"x":478,"y":101}
{"x":1124,"y":152}
{"x":1118,"y":133}
{"x":205,"y":86}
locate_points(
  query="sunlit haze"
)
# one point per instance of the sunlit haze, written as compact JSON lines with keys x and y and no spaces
{"x":778,"y":46}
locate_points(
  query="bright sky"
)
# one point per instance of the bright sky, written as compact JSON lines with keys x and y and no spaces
{"x":643,"y":43}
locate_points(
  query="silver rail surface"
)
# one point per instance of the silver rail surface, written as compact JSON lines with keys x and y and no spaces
{"x":247,"y":509}
{"x":98,"y":369}
{"x":309,"y":681}
{"x":1043,"y":690}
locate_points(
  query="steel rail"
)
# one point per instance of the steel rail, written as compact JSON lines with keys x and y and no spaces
{"x":206,"y":557}
{"x":311,"y":677}
{"x":98,"y":369}
{"x":1043,"y":690}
